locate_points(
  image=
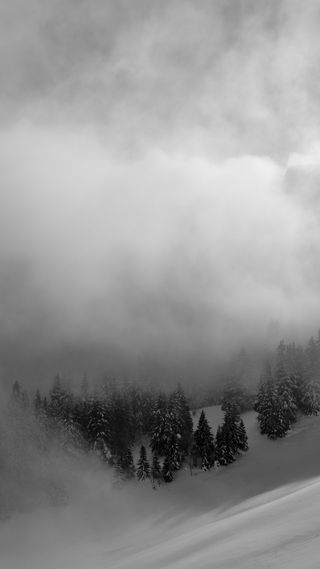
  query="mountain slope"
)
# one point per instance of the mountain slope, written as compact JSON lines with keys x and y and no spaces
{"x":262,"y":511}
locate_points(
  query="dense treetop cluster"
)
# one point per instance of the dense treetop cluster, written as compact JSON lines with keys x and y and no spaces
{"x":115,"y":420}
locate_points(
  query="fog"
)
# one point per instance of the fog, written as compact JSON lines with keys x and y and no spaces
{"x":159,"y":166}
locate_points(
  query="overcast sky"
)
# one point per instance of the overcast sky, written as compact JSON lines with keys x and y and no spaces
{"x":159,"y":169}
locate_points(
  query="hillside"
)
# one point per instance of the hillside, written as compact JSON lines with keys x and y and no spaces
{"x":262,"y":511}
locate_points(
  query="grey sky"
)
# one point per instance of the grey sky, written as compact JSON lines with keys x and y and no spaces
{"x":158,"y":173}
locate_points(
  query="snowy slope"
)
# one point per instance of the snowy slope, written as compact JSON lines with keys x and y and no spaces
{"x":262,"y":511}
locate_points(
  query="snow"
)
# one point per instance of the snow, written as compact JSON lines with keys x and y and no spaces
{"x":263,"y":511}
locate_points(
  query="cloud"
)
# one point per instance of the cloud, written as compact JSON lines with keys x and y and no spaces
{"x":214,"y":77}
{"x":163,"y":260}
{"x":151,"y":209}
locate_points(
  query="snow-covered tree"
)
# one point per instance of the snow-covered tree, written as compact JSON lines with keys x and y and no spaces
{"x":203,"y":446}
{"x":168,"y":471}
{"x":309,"y":399}
{"x":143,"y":470}
{"x":272,"y":414}
{"x":182,"y":419}
{"x":156,"y":473}
{"x":125,"y":468}
{"x":242,"y":437}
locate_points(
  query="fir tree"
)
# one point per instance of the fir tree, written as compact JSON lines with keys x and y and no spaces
{"x":168,"y":470}
{"x":182,"y":419}
{"x":229,"y":440}
{"x":242,"y":437}
{"x":220,"y":447}
{"x":143,"y":470}
{"x":166,"y":438}
{"x":98,"y":425}
{"x":156,"y":473}
{"x":272,"y":415}
{"x":287,"y":390}
{"x":309,"y":399}
{"x":204,"y":443}
{"x":125,"y":466}
{"x":37,"y":403}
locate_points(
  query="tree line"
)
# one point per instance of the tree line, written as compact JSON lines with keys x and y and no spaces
{"x":112,"y":422}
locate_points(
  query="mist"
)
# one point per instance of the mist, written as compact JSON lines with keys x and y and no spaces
{"x":157,"y":184}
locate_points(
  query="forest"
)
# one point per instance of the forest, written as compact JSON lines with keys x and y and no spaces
{"x":138,"y":432}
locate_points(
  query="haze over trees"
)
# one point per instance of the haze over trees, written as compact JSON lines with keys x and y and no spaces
{"x":292,"y":387}
{"x":144,"y":435}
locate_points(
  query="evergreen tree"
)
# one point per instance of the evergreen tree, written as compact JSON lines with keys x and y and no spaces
{"x":16,"y":391}
{"x":125,"y":466}
{"x":242,"y":437}
{"x":156,"y":473}
{"x":174,"y":453}
{"x":166,"y":438}
{"x":168,"y":470}
{"x":311,"y":358}
{"x":97,"y":426}
{"x":121,"y":430}
{"x":220,"y":446}
{"x":236,"y":395}
{"x":182,"y":419}
{"x":287,"y":392}
{"x":229,"y":437}
{"x":204,"y":443}
{"x":309,"y":400}
{"x":272,"y":415}
{"x":37,"y":403}
{"x":143,"y":470}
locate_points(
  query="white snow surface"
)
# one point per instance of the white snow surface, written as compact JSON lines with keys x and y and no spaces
{"x":261,"y":512}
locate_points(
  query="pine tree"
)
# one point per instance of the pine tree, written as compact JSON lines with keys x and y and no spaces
{"x":311,"y":357}
{"x":166,"y":438}
{"x":242,"y":437}
{"x":286,"y":390}
{"x":309,"y":400}
{"x":98,"y":427}
{"x":168,"y":470}
{"x":204,"y":443}
{"x":220,"y":446}
{"x":272,"y":414}
{"x":229,"y":438}
{"x":125,"y":466}
{"x":143,"y":470}
{"x":156,"y":472}
{"x":174,"y":453}
{"x":121,"y":430}
{"x":183,"y":424}
{"x":37,"y":403}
